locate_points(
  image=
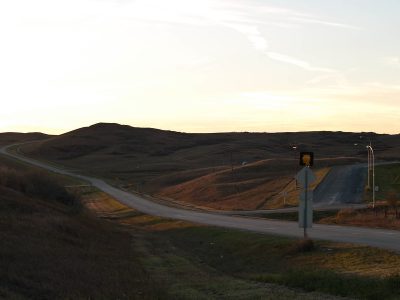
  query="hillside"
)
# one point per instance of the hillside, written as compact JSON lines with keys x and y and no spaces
{"x":53,"y":249}
{"x":8,"y":138}
{"x":204,"y":169}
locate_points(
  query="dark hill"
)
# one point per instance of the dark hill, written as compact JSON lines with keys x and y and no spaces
{"x":151,"y":160}
{"x":126,"y":141}
{"x":51,"y":249}
{"x":8,"y":138}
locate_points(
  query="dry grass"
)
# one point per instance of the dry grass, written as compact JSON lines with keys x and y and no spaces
{"x":188,"y":257}
{"x":152,"y":161}
{"x":52,"y":251}
{"x":374,"y":218}
{"x":180,"y":259}
{"x":352,"y":259}
{"x":339,"y":257}
{"x":246,"y":187}
{"x":293,"y":192}
{"x":105,"y":207}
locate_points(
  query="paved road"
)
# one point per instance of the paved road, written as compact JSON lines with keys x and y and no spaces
{"x":343,"y":184}
{"x":388,"y":239}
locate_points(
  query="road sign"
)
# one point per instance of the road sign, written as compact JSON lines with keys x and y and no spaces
{"x":305,"y":177}
{"x":301,"y":177}
{"x":306,"y":159}
{"x":306,"y":209}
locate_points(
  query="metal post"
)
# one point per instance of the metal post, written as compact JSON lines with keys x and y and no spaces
{"x":373,"y":177}
{"x":369,"y":167}
{"x":294,"y":147}
{"x":305,"y":205}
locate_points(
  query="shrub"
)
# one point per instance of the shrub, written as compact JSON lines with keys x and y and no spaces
{"x":344,"y":213}
{"x":39,"y":185}
{"x":303,"y":245}
{"x":392,"y":199}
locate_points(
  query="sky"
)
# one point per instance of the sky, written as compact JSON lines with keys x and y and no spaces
{"x":200,"y":65}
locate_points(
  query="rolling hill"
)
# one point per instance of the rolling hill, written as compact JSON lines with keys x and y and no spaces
{"x":8,"y":138}
{"x":220,"y":170}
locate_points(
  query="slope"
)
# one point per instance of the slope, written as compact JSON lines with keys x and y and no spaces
{"x":162,"y":162}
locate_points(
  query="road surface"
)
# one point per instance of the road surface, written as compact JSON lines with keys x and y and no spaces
{"x":387,"y":239}
{"x":342,"y":185}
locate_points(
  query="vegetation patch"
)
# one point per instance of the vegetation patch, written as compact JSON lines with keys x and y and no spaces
{"x":382,"y":216}
{"x":339,"y":269}
{"x":294,"y":216}
{"x":338,"y":284}
{"x":49,"y":253}
{"x":37,"y":184}
{"x":387,"y":178}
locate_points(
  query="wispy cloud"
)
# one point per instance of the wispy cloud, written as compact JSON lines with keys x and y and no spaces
{"x":297,"y":62}
{"x":244,"y":18}
{"x":393,"y":61}
{"x":311,"y":20}
{"x":250,"y":20}
{"x":251,"y":32}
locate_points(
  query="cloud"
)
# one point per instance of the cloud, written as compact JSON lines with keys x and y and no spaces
{"x":246,"y":19}
{"x":393,"y":61}
{"x":325,"y":23}
{"x":297,"y":62}
{"x":251,"y":32}
{"x":370,"y":94}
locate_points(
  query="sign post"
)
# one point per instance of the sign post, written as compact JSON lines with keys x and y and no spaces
{"x":305,"y":178}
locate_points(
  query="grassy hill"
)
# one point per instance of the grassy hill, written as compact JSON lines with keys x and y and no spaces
{"x":8,"y":138}
{"x":214,"y":169}
{"x":55,"y":248}
{"x":52,"y":249}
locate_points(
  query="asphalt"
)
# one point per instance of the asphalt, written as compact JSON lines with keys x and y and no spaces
{"x":342,"y":185}
{"x":381,"y":238}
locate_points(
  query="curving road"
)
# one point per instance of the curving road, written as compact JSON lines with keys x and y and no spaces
{"x":388,"y":239}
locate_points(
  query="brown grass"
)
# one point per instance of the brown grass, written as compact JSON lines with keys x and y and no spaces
{"x":50,"y":251}
{"x":293,"y":192}
{"x":197,"y":168}
{"x":171,"y":244}
{"x":105,"y":207}
{"x":374,"y":218}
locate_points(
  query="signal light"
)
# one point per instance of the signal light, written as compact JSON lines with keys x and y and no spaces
{"x":306,"y":159}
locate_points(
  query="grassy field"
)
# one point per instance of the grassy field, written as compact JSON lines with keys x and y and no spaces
{"x":106,"y":250}
{"x":387,"y":178}
{"x":212,"y":263}
{"x":52,"y":249}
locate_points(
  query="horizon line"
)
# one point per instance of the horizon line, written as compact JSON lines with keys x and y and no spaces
{"x":210,"y":132}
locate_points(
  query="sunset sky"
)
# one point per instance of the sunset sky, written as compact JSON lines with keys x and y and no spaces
{"x":200,"y":66}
